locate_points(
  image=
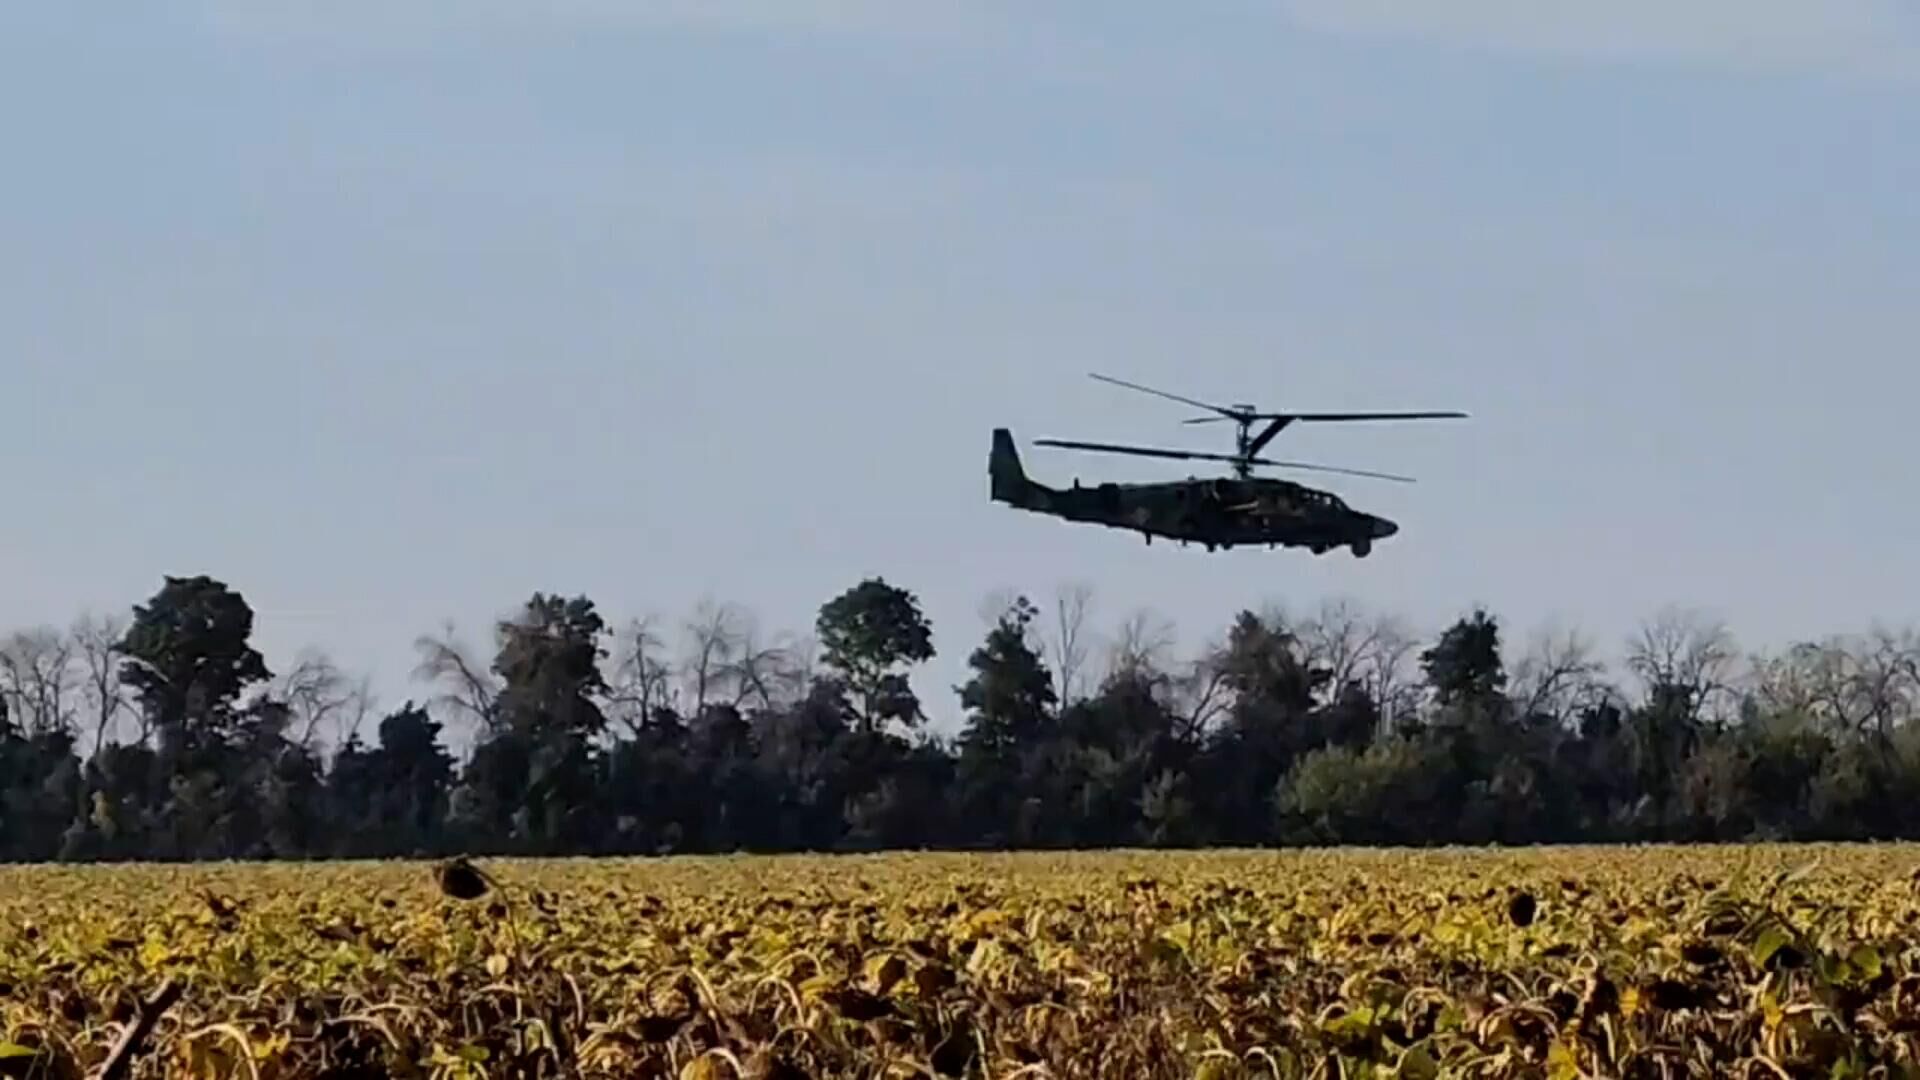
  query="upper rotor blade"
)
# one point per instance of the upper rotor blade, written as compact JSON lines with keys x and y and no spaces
{"x":1222,"y":410}
{"x":1312,"y":417}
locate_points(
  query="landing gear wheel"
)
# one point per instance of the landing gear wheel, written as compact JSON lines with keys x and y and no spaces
{"x":1317,"y":549}
{"x":1362,"y":548}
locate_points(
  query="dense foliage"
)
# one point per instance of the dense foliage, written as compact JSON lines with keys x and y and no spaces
{"x":1549,"y":963}
{"x":167,"y":735}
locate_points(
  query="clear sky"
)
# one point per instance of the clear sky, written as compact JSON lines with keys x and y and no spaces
{"x":390,"y":312}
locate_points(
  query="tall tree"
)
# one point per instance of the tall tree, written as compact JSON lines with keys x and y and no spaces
{"x":549,"y":667}
{"x":1464,"y":666}
{"x":1273,"y":684}
{"x":1009,"y":702}
{"x":533,"y":775}
{"x":395,"y":794}
{"x":188,"y":657}
{"x":1010,"y":698}
{"x":866,"y":635}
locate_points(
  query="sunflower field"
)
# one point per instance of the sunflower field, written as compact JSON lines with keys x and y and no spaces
{"x":1735,"y":961}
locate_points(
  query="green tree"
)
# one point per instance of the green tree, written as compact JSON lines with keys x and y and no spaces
{"x":394,"y":795}
{"x":866,"y":635}
{"x":1010,"y":698}
{"x":1274,"y":686}
{"x":188,"y":657}
{"x":549,"y":666}
{"x":1009,"y":702}
{"x":1465,"y":666}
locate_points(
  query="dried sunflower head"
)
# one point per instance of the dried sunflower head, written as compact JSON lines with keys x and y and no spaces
{"x":1521,"y":908}
{"x":461,"y":880}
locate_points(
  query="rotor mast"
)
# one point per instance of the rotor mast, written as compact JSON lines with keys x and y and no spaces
{"x":1246,"y":443}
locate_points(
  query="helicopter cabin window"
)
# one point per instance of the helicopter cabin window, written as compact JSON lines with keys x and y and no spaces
{"x":1322,"y":498}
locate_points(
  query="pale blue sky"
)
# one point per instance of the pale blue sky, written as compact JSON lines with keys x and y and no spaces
{"x":390,"y":313}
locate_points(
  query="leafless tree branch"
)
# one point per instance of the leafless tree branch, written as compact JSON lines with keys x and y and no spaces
{"x":1072,"y":603}
{"x":96,"y":639}
{"x":1687,"y":652}
{"x":642,"y":678}
{"x":1200,"y":692}
{"x":758,"y":673}
{"x":39,"y":678}
{"x":324,"y":703}
{"x":1140,"y":647}
{"x":1558,"y":676}
{"x":713,"y":640}
{"x":1391,"y":670}
{"x":1855,"y":684}
{"x":471,"y":688}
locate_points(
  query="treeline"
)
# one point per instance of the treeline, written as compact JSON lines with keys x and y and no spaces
{"x":166,"y":735}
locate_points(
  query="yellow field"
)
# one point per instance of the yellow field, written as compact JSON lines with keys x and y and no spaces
{"x":1737,"y":961}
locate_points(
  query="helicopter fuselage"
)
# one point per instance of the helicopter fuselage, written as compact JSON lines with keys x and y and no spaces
{"x":1218,"y":512}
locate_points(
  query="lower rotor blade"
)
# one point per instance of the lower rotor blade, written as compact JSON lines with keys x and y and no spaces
{"x":1333,"y":469}
{"x":1142,"y":451}
{"x":1198,"y":455}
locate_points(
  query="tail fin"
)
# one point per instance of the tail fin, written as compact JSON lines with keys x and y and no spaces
{"x":1010,"y":483}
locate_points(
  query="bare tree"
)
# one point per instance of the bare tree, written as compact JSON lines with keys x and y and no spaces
{"x":1071,"y":605}
{"x":1336,"y":639}
{"x":1558,"y":676}
{"x":1861,"y":684}
{"x":471,"y":689}
{"x":760,"y":673}
{"x":1685,"y":652}
{"x":1353,"y":647}
{"x":1785,"y":684}
{"x":713,"y":641}
{"x":1880,"y":680}
{"x":1372,"y":651}
{"x":1141,"y":646}
{"x":324,"y":703}
{"x":1194,"y":691}
{"x":1894,"y":676}
{"x":802,"y":662}
{"x":1391,"y":670}
{"x":96,"y":641}
{"x":40,"y":679}
{"x":642,"y":679}
{"x":1199,"y":692}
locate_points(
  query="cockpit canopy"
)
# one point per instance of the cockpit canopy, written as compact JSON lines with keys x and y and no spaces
{"x":1300,"y":493}
{"x":1325,"y":498}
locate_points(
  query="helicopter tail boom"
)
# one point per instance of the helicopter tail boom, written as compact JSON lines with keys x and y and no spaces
{"x":1009,"y":478}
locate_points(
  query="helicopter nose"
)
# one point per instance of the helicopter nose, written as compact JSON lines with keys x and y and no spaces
{"x":1382,"y":528}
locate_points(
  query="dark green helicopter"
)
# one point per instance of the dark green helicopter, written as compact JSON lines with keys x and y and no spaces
{"x":1224,"y":512}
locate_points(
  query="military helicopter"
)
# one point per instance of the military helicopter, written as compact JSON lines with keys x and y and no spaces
{"x":1223,"y":512}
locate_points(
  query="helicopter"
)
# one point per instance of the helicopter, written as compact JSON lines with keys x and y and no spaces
{"x":1222,"y":512}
